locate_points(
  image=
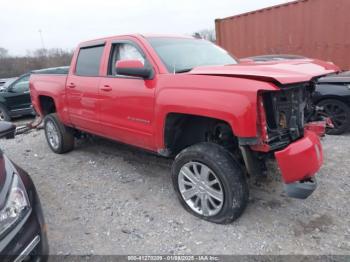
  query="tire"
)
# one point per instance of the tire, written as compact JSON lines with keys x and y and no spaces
{"x":59,"y":137}
{"x":231,"y":186}
{"x":4,"y":114}
{"x":339,"y":112}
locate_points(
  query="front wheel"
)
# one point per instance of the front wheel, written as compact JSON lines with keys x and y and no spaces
{"x":59,"y":137}
{"x":210,"y":183}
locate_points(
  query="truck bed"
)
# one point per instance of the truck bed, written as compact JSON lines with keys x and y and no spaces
{"x":52,"y":85}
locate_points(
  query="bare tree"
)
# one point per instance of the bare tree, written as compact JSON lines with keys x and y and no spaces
{"x":41,"y":58}
{"x":207,"y":34}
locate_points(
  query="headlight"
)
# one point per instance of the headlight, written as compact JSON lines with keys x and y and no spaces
{"x":16,"y":206}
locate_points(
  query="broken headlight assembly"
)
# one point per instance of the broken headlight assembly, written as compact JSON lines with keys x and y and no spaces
{"x":16,"y":206}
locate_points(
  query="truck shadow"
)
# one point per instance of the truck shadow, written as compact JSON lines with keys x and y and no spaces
{"x":147,"y":165}
{"x":145,"y":162}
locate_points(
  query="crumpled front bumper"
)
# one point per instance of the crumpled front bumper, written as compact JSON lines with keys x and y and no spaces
{"x":299,"y":162}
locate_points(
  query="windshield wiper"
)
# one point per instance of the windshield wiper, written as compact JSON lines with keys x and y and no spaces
{"x":183,"y":70}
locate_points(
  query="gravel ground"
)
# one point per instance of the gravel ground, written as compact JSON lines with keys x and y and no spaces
{"x":108,"y":198}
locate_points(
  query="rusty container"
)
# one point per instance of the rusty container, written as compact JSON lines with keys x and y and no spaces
{"x":312,"y":28}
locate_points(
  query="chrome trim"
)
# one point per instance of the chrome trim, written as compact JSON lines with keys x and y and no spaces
{"x":22,"y":109}
{"x":28,"y":249}
{"x":7,"y":239}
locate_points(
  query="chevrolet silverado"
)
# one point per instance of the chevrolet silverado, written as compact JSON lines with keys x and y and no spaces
{"x":190,"y":100}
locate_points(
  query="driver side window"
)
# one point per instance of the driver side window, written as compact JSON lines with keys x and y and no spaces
{"x":124,"y":51}
{"x":21,"y":86}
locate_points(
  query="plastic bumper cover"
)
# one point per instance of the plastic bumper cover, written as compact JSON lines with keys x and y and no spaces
{"x":301,"y":159}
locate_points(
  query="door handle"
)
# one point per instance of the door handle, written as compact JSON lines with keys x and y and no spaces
{"x":106,"y":88}
{"x":71,"y":85}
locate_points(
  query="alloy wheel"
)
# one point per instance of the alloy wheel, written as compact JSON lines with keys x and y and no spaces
{"x":52,"y":134}
{"x":201,"y":189}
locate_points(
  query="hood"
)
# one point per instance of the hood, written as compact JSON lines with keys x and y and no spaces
{"x":342,"y":78}
{"x":284,"y":72}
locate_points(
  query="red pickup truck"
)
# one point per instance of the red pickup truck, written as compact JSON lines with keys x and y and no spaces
{"x":189,"y":99}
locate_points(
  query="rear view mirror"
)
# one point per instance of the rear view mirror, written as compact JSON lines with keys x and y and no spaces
{"x":7,"y":129}
{"x":133,"y":68}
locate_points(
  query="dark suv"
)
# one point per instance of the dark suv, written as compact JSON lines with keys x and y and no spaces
{"x":15,"y":99}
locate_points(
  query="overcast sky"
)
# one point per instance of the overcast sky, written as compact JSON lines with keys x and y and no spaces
{"x":65,"y":23}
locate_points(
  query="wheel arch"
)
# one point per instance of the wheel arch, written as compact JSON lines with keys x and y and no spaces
{"x":182,"y":130}
{"x":47,"y":105}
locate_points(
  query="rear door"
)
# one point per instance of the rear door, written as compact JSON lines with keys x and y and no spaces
{"x":82,"y":88}
{"x":127,"y":103}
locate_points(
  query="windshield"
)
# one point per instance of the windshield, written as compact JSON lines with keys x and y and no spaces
{"x":182,"y":54}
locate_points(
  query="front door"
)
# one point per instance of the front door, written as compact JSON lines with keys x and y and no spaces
{"x":127,"y":103}
{"x":17,"y":96}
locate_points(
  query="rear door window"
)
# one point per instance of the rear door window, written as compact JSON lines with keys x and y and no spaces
{"x":89,"y":60}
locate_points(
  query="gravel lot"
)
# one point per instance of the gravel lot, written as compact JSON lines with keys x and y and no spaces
{"x":108,"y":198}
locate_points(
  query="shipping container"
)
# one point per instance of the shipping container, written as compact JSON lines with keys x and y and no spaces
{"x":312,"y":28}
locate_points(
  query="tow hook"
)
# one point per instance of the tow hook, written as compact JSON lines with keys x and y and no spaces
{"x":32,"y":125}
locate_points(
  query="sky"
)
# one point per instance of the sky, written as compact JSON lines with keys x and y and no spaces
{"x":65,"y":23}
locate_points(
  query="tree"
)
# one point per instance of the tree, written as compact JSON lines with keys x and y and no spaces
{"x":207,"y":34}
{"x":11,"y":66}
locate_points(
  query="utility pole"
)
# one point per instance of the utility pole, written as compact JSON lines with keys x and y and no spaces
{"x":42,"y":39}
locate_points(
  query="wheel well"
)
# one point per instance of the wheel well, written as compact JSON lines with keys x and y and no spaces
{"x":183,"y":130}
{"x":47,"y":105}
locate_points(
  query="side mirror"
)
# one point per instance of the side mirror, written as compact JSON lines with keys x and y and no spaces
{"x":133,"y":68}
{"x":7,"y":129}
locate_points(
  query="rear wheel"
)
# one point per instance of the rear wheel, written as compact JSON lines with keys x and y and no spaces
{"x":339,"y":112}
{"x":4,"y":114}
{"x":210,"y":183}
{"x":59,"y":137}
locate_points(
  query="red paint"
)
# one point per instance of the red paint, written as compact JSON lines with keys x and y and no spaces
{"x":262,"y":146}
{"x":129,"y":64}
{"x":134,"y":110}
{"x":318,"y":127}
{"x":302,"y":159}
{"x":286,"y":72}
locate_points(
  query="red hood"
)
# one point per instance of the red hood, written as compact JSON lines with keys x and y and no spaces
{"x":285,"y":72}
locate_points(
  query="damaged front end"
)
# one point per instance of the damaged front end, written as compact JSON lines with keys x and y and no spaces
{"x":289,"y":131}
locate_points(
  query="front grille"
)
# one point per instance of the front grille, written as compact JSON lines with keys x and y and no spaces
{"x":285,"y":114}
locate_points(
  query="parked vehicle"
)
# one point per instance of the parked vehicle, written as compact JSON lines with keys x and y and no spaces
{"x":15,"y":98}
{"x":3,"y":81}
{"x":267,"y":58}
{"x":22,"y":226}
{"x":7,"y":82}
{"x":189,"y":99}
{"x":332,"y":93}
